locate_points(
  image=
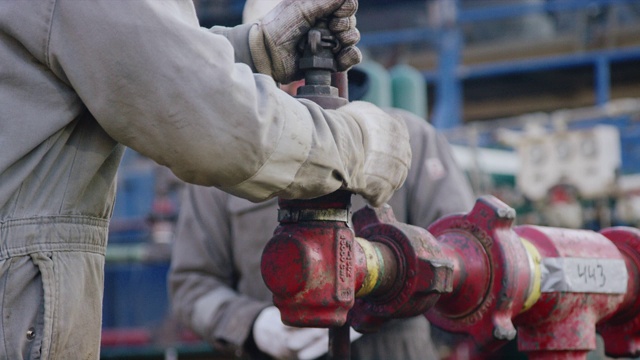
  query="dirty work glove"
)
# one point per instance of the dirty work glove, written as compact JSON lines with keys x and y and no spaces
{"x":382,"y":168}
{"x":274,"y":39}
{"x":286,"y":342}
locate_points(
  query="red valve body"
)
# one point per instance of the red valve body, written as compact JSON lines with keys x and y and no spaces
{"x":621,"y":331}
{"x":315,"y":268}
{"x":562,"y":322}
{"x":485,"y":277}
{"x":530,"y":278}
{"x":420,"y":271}
{"x":490,"y":282}
{"x":309,"y":264}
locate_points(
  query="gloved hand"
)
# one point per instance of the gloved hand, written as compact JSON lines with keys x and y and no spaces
{"x":286,"y":342}
{"x":274,"y":39}
{"x":387,"y":153}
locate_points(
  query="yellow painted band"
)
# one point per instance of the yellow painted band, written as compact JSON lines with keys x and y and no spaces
{"x":374,"y":262}
{"x":534,"y":289}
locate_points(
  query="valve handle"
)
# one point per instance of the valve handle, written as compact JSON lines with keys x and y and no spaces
{"x":317,"y":223}
{"x":319,"y":67}
{"x":319,"y":64}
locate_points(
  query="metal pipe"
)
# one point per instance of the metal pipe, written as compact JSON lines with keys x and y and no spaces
{"x":339,"y":343}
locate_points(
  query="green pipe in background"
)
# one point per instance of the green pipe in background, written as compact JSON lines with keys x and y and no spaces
{"x":409,"y":89}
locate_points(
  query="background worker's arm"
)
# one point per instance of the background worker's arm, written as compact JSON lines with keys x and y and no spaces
{"x":203,"y":277}
{"x":160,"y":84}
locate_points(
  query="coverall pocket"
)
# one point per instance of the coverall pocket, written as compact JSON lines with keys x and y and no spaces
{"x":73,"y":287}
{"x":41,"y":334}
{"x":51,"y":305}
{"x":23,"y":332}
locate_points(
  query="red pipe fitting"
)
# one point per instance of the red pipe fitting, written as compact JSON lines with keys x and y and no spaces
{"x":553,"y":285}
{"x":308,"y":263}
{"x":490,"y":282}
{"x":621,"y":331}
{"x":315,"y":267}
{"x":583,"y":279}
{"x":421,"y":274}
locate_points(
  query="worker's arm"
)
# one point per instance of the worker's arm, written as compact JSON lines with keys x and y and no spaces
{"x":160,"y":84}
{"x":203,"y":276}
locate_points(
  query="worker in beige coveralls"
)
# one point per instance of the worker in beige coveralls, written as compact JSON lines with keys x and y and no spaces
{"x":80,"y":80}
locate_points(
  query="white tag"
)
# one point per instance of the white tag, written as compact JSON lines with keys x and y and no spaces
{"x":583,"y":275}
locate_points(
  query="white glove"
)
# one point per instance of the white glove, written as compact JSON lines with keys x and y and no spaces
{"x":274,"y":39}
{"x":286,"y":342}
{"x":387,"y":153}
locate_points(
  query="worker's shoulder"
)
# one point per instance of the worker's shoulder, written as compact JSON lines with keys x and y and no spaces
{"x":414,"y":122}
{"x":239,"y":205}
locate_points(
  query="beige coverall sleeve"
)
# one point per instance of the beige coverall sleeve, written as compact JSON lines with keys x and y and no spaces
{"x":203,"y":276}
{"x":159,"y":83}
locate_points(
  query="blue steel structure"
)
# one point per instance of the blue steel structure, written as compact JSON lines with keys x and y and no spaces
{"x":450,"y":73}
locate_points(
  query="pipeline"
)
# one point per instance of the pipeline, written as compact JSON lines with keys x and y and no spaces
{"x":473,"y":273}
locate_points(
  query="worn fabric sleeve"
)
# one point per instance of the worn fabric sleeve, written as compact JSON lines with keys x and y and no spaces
{"x":435,"y":185}
{"x":238,"y":36}
{"x":159,"y":83}
{"x":202,"y":275}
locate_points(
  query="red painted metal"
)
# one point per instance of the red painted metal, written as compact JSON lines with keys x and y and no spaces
{"x":494,"y":275}
{"x":471,"y":273}
{"x":325,"y":267}
{"x":563,"y":322}
{"x":421,"y":273}
{"x":308,"y":264}
{"x":621,"y":332}
{"x":490,"y":281}
{"x":330,"y":237}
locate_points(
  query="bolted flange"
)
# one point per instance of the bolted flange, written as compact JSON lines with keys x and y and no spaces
{"x":422,"y":273}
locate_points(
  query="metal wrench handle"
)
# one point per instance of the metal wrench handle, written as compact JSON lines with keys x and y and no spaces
{"x":319,"y":66}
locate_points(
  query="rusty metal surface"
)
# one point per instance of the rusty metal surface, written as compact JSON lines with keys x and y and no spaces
{"x":472,"y":275}
{"x":492,"y":274}
{"x":308,"y":265}
{"x":326,"y":267}
{"x":340,"y":80}
{"x":422,"y":271}
{"x":621,"y":331}
{"x":561,"y":322}
{"x":565,"y":320}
